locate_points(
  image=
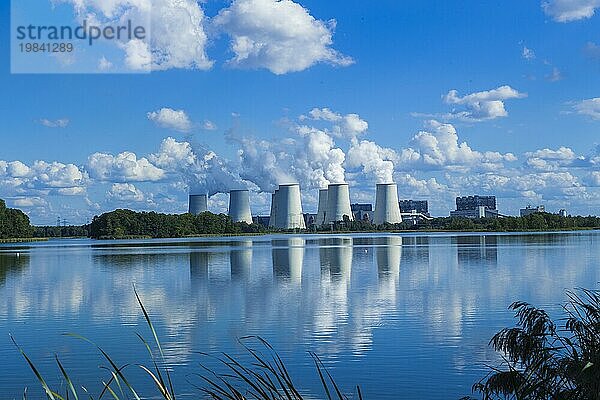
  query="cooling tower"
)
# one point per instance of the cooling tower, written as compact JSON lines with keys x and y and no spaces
{"x":338,"y":203}
{"x":322,"y":210}
{"x":288,"y":208}
{"x":239,"y":206}
{"x":273,"y":215}
{"x":198,"y":204}
{"x":387,"y":210}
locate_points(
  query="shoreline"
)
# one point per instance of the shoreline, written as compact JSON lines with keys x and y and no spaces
{"x":23,"y":240}
{"x":304,"y":232}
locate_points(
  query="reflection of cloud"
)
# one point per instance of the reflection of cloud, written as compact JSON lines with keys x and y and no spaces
{"x":340,"y":296}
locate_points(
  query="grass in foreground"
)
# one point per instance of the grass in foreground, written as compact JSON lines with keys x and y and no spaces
{"x":264,"y":378}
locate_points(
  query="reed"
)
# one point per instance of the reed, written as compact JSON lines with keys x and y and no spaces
{"x":265,"y":377}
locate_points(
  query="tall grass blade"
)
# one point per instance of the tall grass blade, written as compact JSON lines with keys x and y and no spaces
{"x":49,"y":392}
{"x":67,"y":378}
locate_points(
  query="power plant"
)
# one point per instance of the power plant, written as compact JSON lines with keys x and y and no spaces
{"x":322,"y":209}
{"x":387,"y":208}
{"x":198,"y":203}
{"x":338,"y":203}
{"x":286,"y":208}
{"x":239,"y":206}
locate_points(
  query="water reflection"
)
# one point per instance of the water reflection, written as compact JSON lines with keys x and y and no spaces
{"x":12,"y":264}
{"x":240,"y":260}
{"x":335,"y":255}
{"x":288,"y":257}
{"x":408,"y":301}
{"x":477,"y":250}
{"x":388,"y":255}
{"x":199,"y":268}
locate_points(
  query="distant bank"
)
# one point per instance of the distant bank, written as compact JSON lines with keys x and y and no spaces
{"x":127,"y":224}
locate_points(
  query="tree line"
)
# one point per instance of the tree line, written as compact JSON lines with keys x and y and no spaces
{"x":532,"y":222}
{"x":13,"y":223}
{"x":127,"y":223}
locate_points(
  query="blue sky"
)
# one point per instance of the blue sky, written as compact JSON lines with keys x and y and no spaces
{"x":525,"y":74}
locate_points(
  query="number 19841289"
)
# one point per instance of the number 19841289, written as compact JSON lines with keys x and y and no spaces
{"x":46,"y":47}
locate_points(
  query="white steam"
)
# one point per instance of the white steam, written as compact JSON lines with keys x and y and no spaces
{"x":376,"y":161}
{"x":203,"y":171}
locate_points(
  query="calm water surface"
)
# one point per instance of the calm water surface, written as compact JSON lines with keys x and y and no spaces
{"x":402,"y":315}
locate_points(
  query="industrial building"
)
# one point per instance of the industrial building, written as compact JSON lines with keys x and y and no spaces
{"x":531,"y":210}
{"x":362,"y":212}
{"x":467,"y":203}
{"x":414,"y":206}
{"x":475,"y":207}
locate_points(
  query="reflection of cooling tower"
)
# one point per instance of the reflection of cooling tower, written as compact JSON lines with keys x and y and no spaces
{"x":198,"y":267}
{"x":388,"y":255}
{"x":322,"y":210}
{"x":335,"y":255}
{"x":240,"y":260}
{"x":288,"y":208}
{"x":288,"y":256}
{"x":387,"y":209}
{"x":338,"y":203}
{"x":239,"y":206}
{"x":198,"y":204}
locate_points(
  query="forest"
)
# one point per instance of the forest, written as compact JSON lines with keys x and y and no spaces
{"x":13,"y":223}
{"x":127,"y":223}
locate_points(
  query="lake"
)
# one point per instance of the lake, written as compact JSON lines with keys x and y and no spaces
{"x":406,"y":315}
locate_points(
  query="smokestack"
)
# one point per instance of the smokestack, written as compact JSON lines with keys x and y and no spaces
{"x":239,"y":206}
{"x":338,"y":203}
{"x":288,"y":208}
{"x":198,"y":203}
{"x":273,"y":215}
{"x":322,"y":210}
{"x":387,"y":209}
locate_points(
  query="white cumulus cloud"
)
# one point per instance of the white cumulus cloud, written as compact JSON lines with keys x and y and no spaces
{"x":125,"y":192}
{"x":570,"y":10}
{"x":438,"y":146}
{"x":481,"y":106}
{"x":168,"y":118}
{"x":279,"y":35}
{"x":124,"y":167}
